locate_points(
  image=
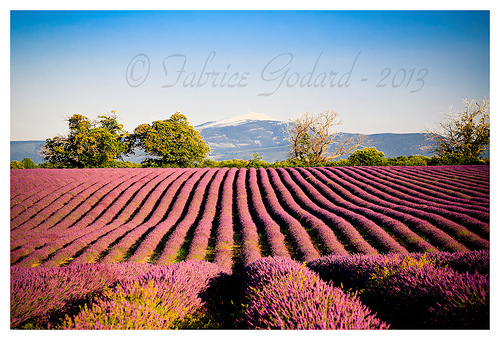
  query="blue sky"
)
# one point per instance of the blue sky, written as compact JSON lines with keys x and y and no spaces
{"x":383,"y":71}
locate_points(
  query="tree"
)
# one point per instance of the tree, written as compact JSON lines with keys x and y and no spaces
{"x":16,"y":165}
{"x":312,"y":137}
{"x":28,"y":163}
{"x":464,"y":135}
{"x":171,"y":142}
{"x":89,"y":144}
{"x":367,"y":156}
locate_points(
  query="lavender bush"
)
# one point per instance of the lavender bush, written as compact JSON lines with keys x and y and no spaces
{"x":392,"y":175}
{"x":417,"y":294}
{"x":336,"y":215}
{"x":353,"y":272}
{"x":361,"y":217}
{"x":356,"y":201}
{"x":326,"y":239}
{"x":301,"y":240}
{"x":89,"y":211}
{"x":37,"y":294}
{"x":201,"y":235}
{"x":111,"y":296}
{"x":424,"y":291}
{"x":473,"y":261}
{"x":160,"y":299}
{"x":282,"y":294}
{"x":113,"y":217}
{"x":153,"y":189}
{"x":274,"y":237}
{"x":37,"y":200}
{"x":405,"y":193}
{"x":386,"y":201}
{"x":432,"y":179}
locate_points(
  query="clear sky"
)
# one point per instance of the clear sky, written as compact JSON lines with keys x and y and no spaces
{"x":383,"y":71}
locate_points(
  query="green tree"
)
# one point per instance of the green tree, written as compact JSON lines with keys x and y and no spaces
{"x":171,"y":142}
{"x":463,"y":135}
{"x":89,"y":144}
{"x":367,"y":156}
{"x":28,"y":163}
{"x":16,"y":165}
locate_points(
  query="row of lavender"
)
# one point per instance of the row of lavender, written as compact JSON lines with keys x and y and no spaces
{"x":108,"y":296}
{"x":417,"y":291}
{"x":227,"y":215}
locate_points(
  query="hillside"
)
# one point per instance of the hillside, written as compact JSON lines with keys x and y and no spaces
{"x":267,"y":137}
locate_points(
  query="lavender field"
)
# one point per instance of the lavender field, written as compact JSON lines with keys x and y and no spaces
{"x":106,"y":246}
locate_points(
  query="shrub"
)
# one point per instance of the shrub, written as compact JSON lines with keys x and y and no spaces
{"x":367,"y":156}
{"x":282,"y":294}
{"x":416,"y":294}
{"x":472,"y":261}
{"x":340,"y":162}
{"x":16,"y":165}
{"x":37,"y":294}
{"x":350,"y":272}
{"x":408,"y":161}
{"x":160,"y":299}
{"x":28,"y":163}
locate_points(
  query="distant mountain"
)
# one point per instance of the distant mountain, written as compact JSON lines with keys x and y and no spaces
{"x":237,"y":120}
{"x":241,"y":136}
{"x":401,"y":144}
{"x":20,"y":150}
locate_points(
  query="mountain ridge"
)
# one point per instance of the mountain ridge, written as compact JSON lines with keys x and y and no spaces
{"x":236,"y":120}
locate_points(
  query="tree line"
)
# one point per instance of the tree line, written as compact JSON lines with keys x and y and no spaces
{"x":461,"y":139}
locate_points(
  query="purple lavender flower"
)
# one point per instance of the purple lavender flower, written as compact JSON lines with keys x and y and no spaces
{"x":282,"y":294}
{"x":419,"y":294}
{"x":148,"y":245}
{"x":298,"y":234}
{"x":160,"y":299}
{"x":165,"y":196}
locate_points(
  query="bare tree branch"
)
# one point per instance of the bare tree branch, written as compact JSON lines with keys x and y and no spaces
{"x":312,"y":137}
{"x":464,"y":134}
